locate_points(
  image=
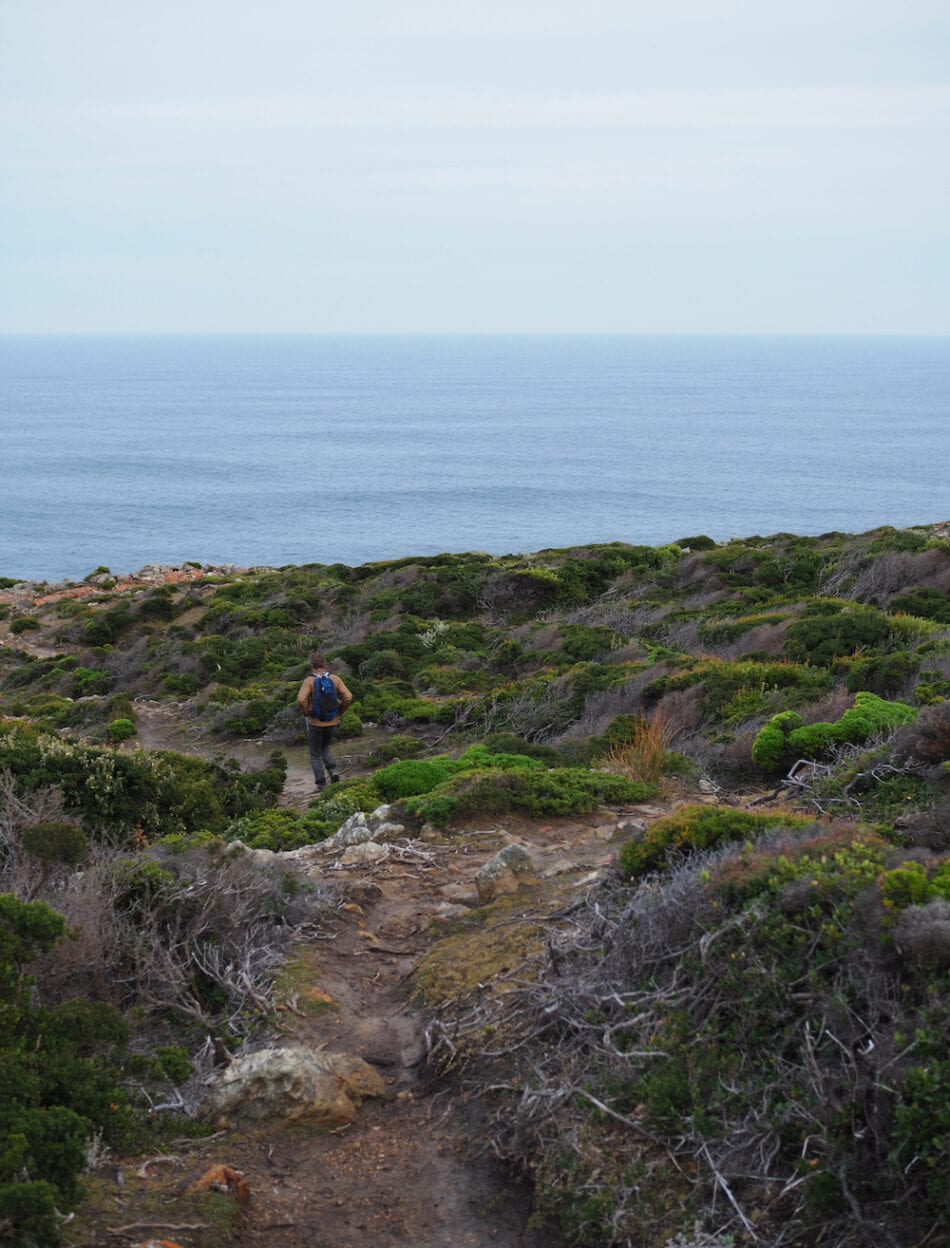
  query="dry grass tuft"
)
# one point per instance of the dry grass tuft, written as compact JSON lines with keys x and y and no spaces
{"x":642,"y":756}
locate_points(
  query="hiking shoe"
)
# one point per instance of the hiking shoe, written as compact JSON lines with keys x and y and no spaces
{"x":321,"y":785}
{"x":334,"y":779}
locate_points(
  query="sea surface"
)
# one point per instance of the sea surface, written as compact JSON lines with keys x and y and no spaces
{"x":127,"y":450}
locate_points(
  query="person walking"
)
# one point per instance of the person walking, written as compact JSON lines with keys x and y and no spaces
{"x":323,"y":699}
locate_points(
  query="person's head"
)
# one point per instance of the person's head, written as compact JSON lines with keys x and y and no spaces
{"x":317,"y":661}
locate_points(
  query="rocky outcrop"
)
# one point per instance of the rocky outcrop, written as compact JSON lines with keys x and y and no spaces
{"x":289,"y":1085}
{"x":376,"y":826}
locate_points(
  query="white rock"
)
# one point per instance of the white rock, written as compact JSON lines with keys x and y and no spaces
{"x":368,"y":852}
{"x":291,"y":1084}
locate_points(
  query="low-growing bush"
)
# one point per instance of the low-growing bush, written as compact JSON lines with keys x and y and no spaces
{"x":785,"y":738}
{"x":694,"y":828}
{"x":23,"y":624}
{"x":412,"y":776}
{"x":537,"y":793}
{"x":831,"y":630}
{"x":121,"y":730}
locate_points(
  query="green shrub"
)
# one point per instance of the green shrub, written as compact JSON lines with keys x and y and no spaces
{"x":537,"y":793}
{"x":702,"y":542}
{"x":829,"y":631}
{"x":398,"y":747}
{"x":412,"y":776}
{"x":771,"y":747}
{"x":29,"y":1210}
{"x":926,"y":603}
{"x":351,"y":725}
{"x":881,"y":674}
{"x":693,"y":828}
{"x":183,"y":683}
{"x":784,"y":738}
{"x":734,"y":691}
{"x":285,"y":829}
{"x":446,"y":679}
{"x":23,"y":624}
{"x":112,"y":792}
{"x":906,"y":885}
{"x":121,"y":730}
{"x":158,"y":606}
{"x":53,"y":1092}
{"x":91,"y":681}
{"x":55,"y":842}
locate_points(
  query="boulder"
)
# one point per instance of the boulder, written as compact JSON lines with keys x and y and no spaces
{"x":289,"y":1085}
{"x":510,"y":869}
{"x":368,"y":852}
{"x":354,"y":831}
{"x":362,"y":827}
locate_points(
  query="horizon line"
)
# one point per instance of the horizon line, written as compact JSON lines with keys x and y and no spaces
{"x":464,"y":333}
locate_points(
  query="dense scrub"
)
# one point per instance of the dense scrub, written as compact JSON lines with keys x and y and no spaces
{"x":749,"y":1019}
{"x":753,"y":1039}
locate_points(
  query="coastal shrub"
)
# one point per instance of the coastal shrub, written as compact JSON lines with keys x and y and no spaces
{"x":90,"y":681}
{"x":696,"y":828}
{"x":717,"y":1012}
{"x":422,"y":775}
{"x":283,"y":829}
{"x":736,"y":690}
{"x":157,"y":791}
{"x":785,"y":738}
{"x":398,"y":747}
{"x":446,"y":679}
{"x":121,"y":730}
{"x":412,"y":776}
{"x":23,"y":624}
{"x":537,"y":793}
{"x":927,"y":603}
{"x":881,"y":674}
{"x":55,"y":842}
{"x":105,"y":627}
{"x":59,"y":1083}
{"x":159,"y":605}
{"x":828,"y":631}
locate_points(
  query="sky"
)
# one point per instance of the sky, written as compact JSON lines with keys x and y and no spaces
{"x":475,"y":166}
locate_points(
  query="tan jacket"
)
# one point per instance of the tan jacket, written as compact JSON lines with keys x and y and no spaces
{"x":304,"y":700}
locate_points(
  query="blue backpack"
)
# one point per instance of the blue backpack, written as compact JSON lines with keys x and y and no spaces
{"x":326,"y":704}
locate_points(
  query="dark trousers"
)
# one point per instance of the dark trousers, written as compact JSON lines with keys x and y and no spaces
{"x":319,"y":741}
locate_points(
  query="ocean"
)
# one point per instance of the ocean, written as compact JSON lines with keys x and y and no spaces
{"x":127,"y":450}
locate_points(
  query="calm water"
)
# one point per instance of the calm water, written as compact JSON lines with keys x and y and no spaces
{"x":125,"y":450}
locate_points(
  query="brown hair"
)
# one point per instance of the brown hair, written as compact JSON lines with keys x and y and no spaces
{"x":317,"y":660}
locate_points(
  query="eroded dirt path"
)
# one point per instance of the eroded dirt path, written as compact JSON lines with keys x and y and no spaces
{"x":414,"y":1170}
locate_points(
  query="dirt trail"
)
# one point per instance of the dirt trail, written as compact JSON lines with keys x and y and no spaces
{"x":413,"y":1171}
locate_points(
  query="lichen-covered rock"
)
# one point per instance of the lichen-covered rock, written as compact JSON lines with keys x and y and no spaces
{"x":368,"y":853}
{"x":354,"y":831}
{"x":364,"y":827}
{"x":291,"y":1084}
{"x":510,"y":869}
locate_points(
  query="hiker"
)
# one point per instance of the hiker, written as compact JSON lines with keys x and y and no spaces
{"x":322,"y":699}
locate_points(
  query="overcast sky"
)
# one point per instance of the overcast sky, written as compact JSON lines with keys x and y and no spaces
{"x":631,"y":166}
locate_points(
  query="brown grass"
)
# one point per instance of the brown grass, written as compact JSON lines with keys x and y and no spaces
{"x":643,"y":756}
